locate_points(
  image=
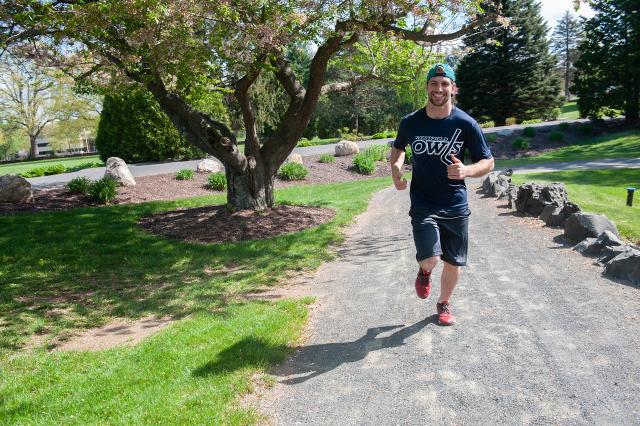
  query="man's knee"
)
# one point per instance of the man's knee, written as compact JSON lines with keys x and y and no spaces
{"x":429,"y":263}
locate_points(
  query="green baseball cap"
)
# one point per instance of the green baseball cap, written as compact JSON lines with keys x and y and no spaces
{"x":441,"y":70}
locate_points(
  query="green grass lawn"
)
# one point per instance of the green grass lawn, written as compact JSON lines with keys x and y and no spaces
{"x":69,"y":163}
{"x":599,"y":191}
{"x":617,"y":145}
{"x":569,"y":111}
{"x":66,"y":271}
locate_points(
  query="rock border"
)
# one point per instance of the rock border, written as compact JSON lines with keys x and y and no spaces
{"x":595,"y":234}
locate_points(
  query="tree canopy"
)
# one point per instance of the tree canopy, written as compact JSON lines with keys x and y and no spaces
{"x":510,"y":71}
{"x":180,"y":49}
{"x":565,"y":40}
{"x":607,"y":78}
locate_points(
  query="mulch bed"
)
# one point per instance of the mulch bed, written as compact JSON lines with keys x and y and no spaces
{"x":216,"y":224}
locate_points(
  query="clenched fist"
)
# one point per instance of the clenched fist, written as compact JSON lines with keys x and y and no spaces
{"x":400,"y":183}
{"x":456,"y":170}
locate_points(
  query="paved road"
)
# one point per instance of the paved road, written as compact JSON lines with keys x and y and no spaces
{"x":542,"y":337}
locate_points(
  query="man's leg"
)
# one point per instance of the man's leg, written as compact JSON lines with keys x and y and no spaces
{"x":448,"y":280}
{"x":429,"y":264}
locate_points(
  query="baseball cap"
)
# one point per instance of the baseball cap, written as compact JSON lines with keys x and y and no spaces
{"x":441,"y":70}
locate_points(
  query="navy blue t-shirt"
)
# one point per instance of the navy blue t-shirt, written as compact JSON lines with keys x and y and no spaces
{"x":432,"y":142}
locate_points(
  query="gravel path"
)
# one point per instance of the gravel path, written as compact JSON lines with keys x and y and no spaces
{"x":542,"y":337}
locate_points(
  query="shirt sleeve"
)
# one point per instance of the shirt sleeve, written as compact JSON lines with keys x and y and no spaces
{"x":401,"y":138}
{"x":478,"y":145}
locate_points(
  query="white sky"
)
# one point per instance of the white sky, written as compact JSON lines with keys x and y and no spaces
{"x":552,"y":10}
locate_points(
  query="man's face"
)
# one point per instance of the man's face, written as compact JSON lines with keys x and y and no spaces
{"x":440,"y":90}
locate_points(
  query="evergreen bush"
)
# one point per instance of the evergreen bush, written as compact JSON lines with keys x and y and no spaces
{"x":529,"y":132}
{"x":134,"y":127}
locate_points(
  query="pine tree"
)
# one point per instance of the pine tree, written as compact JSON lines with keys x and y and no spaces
{"x":607,"y":77}
{"x":510,"y":71}
{"x":565,"y":40}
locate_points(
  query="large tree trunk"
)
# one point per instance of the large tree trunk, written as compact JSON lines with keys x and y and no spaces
{"x":250,"y":190}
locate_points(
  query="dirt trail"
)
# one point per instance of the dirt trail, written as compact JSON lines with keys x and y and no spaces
{"x":542,"y":337}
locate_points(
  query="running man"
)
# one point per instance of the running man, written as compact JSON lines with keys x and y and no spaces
{"x":438,"y":136}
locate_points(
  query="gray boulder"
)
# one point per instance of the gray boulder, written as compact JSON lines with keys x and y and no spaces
{"x":209,"y":165}
{"x":609,"y":253}
{"x":118,"y":170}
{"x":488,"y":182}
{"x":294,"y":158}
{"x":584,"y":245}
{"x":500,"y":186}
{"x":346,"y":148}
{"x":512,"y":194}
{"x":15,"y":189}
{"x":625,"y":266}
{"x":587,"y":225}
{"x":550,"y":211}
{"x":508,"y":173}
{"x":528,"y":195}
{"x":559,"y":218}
{"x":606,"y":239}
{"x":555,"y":194}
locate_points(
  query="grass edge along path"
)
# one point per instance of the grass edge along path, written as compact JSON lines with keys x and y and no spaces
{"x":70,"y":163}
{"x":610,"y":146}
{"x":194,"y":370}
{"x":598,"y":191}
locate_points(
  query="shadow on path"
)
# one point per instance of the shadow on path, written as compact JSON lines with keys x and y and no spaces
{"x":314,"y":360}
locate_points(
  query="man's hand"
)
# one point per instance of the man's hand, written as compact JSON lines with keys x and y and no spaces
{"x":400,"y":183}
{"x":456,"y":170}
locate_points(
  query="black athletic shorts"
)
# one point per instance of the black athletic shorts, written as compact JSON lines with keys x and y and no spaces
{"x":441,"y":236}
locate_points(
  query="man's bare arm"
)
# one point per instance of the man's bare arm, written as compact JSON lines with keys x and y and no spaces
{"x":459,"y":171}
{"x":396,"y":159}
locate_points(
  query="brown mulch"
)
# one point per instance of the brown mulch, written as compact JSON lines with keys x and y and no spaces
{"x":216,"y":224}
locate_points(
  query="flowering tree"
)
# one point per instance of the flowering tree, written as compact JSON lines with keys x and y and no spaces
{"x":179,"y":48}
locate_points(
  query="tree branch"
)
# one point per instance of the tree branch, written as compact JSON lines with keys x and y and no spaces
{"x":252,"y":142}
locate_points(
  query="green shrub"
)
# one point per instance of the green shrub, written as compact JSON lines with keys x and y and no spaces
{"x":78,"y":185}
{"x":184,"y":174}
{"x":487,"y":124}
{"x":534,"y":121}
{"x":521,"y":144}
{"x":407,"y":154}
{"x":510,"y":121}
{"x":379,"y":135}
{"x":556,"y":136}
{"x":377,"y":152}
{"x":327,"y":158}
{"x":103,"y":190}
{"x":529,"y":132}
{"x":54,"y":169}
{"x":305,"y":142}
{"x":491,"y":137}
{"x":346,"y":133}
{"x":134,"y":127}
{"x":364,"y":164}
{"x":564,"y":126}
{"x":551,"y":114}
{"x":292,"y":171}
{"x":217,"y":181}
{"x":35,"y":172}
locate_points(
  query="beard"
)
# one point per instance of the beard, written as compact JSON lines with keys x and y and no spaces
{"x":439,"y":102}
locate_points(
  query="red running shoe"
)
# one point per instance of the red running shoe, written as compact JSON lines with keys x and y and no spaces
{"x":423,"y":284}
{"x":445,"y":317}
